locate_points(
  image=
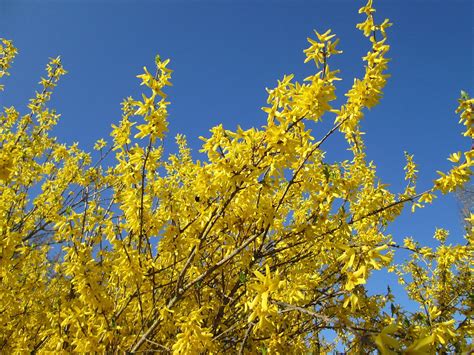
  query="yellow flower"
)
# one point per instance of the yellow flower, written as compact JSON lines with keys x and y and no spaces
{"x":6,"y":167}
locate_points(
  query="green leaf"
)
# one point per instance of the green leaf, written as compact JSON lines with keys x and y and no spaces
{"x":326,"y":172}
{"x":242,"y":277}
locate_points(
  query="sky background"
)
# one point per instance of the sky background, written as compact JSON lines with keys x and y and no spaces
{"x":225,"y":53}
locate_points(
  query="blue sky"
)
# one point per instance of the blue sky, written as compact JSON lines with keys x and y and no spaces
{"x":225,"y":53}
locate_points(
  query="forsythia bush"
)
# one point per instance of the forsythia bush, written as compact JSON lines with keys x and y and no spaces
{"x":262,"y":247}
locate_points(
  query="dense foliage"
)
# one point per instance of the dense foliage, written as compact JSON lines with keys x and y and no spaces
{"x":262,"y":247}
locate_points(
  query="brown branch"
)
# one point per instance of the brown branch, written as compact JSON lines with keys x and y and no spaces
{"x":185,"y":268}
{"x":289,"y":307}
{"x":246,"y":336}
{"x":142,"y":197}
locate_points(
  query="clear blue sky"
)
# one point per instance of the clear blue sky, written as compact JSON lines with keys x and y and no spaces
{"x":225,"y":53}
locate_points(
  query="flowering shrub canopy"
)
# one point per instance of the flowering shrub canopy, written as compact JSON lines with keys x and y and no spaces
{"x":261,"y":247}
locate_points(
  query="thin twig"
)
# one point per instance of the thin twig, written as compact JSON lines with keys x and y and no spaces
{"x":246,"y":336}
